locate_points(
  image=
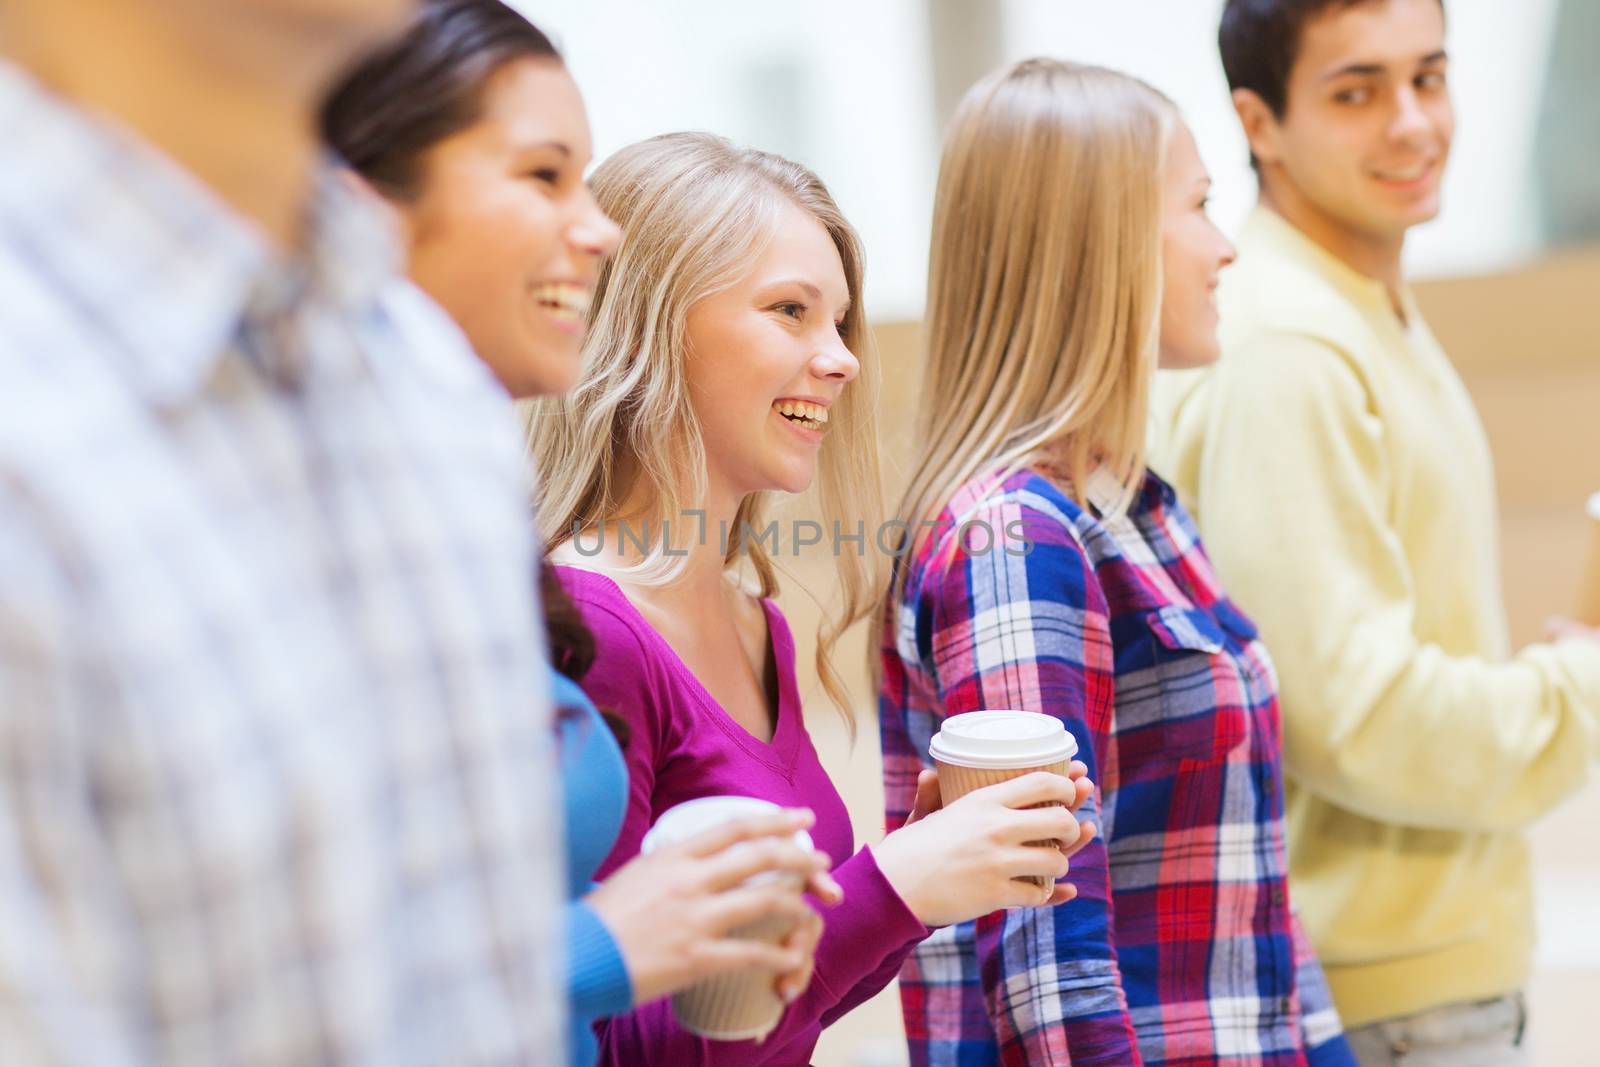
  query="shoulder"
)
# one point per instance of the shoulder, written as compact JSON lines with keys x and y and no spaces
{"x":76,"y":440}
{"x":1275,"y":376}
{"x":1279,"y":316}
{"x":1020,"y":537}
{"x":61,"y":388}
{"x":618,"y":629}
{"x":1024,"y":501}
{"x":629,"y":676}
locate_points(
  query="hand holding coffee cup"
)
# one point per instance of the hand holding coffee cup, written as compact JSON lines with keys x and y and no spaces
{"x":1000,"y":839}
{"x":927,"y":800}
{"x":766,"y":933}
{"x":678,"y":913}
{"x":982,"y":748}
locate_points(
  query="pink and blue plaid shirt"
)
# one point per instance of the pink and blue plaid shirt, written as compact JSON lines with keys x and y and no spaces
{"x":1181,"y":948}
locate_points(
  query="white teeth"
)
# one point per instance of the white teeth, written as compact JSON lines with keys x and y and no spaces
{"x":1410,"y":174}
{"x":563,"y":300}
{"x":803,"y":412}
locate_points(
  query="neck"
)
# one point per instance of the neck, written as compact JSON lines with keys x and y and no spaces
{"x":1375,"y":256}
{"x":234,"y":112}
{"x":701,"y":584}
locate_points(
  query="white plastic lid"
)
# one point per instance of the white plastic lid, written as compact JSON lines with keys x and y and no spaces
{"x":683,"y":821}
{"x":1001,"y":740}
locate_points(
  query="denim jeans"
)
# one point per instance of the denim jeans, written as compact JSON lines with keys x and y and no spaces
{"x":1489,"y":1033}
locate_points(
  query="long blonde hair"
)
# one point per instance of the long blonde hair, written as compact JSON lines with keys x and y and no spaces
{"x":696,"y":212}
{"x":1044,"y":284}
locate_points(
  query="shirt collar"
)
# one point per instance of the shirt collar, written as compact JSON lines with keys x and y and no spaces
{"x":1268,"y":227}
{"x":1102,"y":490}
{"x":153,"y":258}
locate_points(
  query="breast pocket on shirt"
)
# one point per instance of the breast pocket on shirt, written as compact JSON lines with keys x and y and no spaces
{"x":1183,"y":697}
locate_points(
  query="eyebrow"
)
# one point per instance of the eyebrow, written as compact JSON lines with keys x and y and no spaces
{"x":806,"y":287}
{"x":559,"y":146}
{"x":1370,"y":70}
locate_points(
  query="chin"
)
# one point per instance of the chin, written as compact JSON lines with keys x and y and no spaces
{"x":1191,"y":357}
{"x":551,"y":369}
{"x":1188,"y":362}
{"x":793,"y":482}
{"x":1426,"y":211}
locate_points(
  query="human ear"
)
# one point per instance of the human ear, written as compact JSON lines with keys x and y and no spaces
{"x":1259,"y":123}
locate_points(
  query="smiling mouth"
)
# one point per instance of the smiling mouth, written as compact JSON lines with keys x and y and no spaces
{"x":801,"y":413}
{"x":1404,"y":175}
{"x":564,"y":301}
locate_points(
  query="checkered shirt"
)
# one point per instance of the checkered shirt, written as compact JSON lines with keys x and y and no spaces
{"x":1181,"y":948}
{"x":274,"y":733}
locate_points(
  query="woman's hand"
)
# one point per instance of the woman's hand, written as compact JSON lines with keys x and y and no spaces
{"x":802,"y":939}
{"x":927,"y":799}
{"x":957,"y":863}
{"x":672,"y":912}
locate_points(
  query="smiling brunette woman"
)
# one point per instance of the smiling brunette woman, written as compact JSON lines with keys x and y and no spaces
{"x":471,"y":128}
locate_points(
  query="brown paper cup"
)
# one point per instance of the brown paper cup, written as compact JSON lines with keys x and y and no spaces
{"x":1589,"y":591}
{"x":739,"y":1005}
{"x":956,"y":782}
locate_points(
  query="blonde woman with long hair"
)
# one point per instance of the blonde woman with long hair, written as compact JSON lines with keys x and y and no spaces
{"x":728,"y":358}
{"x":1071,"y":255}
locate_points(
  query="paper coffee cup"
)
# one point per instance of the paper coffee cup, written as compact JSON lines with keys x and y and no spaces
{"x":1589,"y":591}
{"x":736,"y":1005}
{"x":979,"y":748}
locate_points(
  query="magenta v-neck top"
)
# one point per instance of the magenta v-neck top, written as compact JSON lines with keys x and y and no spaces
{"x":684,"y":745}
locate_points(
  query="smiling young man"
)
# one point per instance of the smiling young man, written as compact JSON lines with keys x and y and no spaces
{"x":1343,"y":484}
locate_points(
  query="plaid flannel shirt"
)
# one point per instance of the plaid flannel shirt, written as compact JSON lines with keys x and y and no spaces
{"x":1181,"y":948}
{"x":276,"y":783}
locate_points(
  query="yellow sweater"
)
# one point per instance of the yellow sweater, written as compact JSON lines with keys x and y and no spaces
{"x":1343,"y":485}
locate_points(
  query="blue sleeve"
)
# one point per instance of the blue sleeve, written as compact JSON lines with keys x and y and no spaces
{"x":597,"y":980}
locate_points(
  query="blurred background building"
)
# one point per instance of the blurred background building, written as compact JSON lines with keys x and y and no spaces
{"x":859,"y":90}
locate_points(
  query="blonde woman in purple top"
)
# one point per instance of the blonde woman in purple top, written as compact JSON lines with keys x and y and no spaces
{"x":728,"y":358}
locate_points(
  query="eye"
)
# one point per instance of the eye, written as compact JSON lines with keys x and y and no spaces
{"x":790,"y":308}
{"x":547,"y":175}
{"x":1434,"y":79}
{"x":1354,"y":97}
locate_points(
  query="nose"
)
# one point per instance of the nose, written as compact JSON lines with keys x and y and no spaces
{"x":835,"y":361}
{"x":1227,"y":253}
{"x":592,"y":230}
{"x":1410,"y":123}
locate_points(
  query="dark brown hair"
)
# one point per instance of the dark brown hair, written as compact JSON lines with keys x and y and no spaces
{"x":424,"y":86}
{"x":400,"y":101}
{"x":571,"y":641}
{"x":1260,"y":41}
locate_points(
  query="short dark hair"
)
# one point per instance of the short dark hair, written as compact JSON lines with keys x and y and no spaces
{"x":1260,"y":41}
{"x":423,"y":86}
